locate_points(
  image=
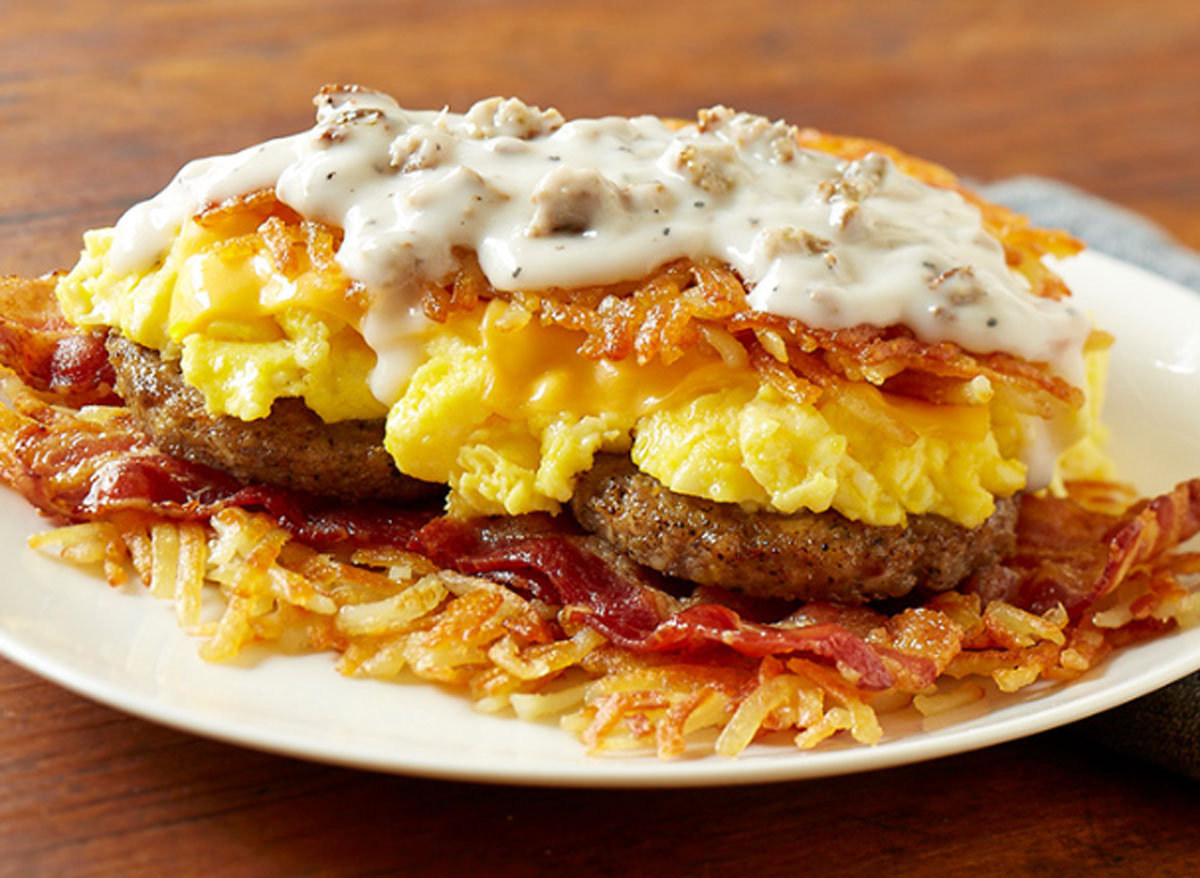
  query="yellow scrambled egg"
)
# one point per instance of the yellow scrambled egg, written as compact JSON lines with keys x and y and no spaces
{"x":247,"y":330}
{"x":506,"y":412}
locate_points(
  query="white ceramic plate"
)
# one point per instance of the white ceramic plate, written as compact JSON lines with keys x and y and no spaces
{"x":121,"y":647}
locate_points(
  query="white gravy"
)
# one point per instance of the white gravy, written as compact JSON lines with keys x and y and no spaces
{"x":547,"y":203}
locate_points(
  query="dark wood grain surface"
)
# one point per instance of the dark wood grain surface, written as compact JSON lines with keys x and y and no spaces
{"x":101,"y":102}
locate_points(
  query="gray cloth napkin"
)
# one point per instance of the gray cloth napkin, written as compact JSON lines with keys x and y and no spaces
{"x":1164,"y":726}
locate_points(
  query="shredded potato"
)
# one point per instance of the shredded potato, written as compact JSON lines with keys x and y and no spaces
{"x":386,"y":612}
{"x":932,"y":705}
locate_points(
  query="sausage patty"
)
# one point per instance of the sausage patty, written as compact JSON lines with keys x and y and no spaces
{"x":805,"y":555}
{"x":292,"y":447}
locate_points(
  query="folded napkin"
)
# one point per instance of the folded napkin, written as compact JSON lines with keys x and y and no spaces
{"x":1164,"y":726}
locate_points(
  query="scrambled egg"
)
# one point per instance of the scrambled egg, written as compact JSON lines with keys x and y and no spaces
{"x":247,"y":330}
{"x":506,"y":412}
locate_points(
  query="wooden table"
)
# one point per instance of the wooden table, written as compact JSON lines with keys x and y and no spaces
{"x":101,"y":102}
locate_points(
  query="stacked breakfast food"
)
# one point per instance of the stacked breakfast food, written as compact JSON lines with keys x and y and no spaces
{"x":657,"y":427}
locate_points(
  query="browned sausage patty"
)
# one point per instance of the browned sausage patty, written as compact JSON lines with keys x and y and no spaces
{"x":805,"y":555}
{"x":292,"y":448}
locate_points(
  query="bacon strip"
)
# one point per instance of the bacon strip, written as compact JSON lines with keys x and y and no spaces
{"x":622,"y":610}
{"x":76,"y":469}
{"x":711,"y":623}
{"x":1158,"y":525}
{"x":180,"y":489}
{"x":631,"y":613}
{"x":1071,"y":556}
{"x":46,"y":352}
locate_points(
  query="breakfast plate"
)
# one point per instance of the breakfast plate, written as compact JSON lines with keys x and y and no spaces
{"x":122,"y":647}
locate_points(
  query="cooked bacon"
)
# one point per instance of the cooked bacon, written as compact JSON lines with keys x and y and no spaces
{"x":327,"y":526}
{"x":630,"y":611}
{"x":915,"y":644}
{"x":624,"y":610}
{"x":749,"y":607}
{"x":180,"y":489}
{"x":1069,"y":555}
{"x":711,"y":623}
{"x":79,"y":469}
{"x":47,"y":353}
{"x":51,"y":455}
{"x":1150,"y":529}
